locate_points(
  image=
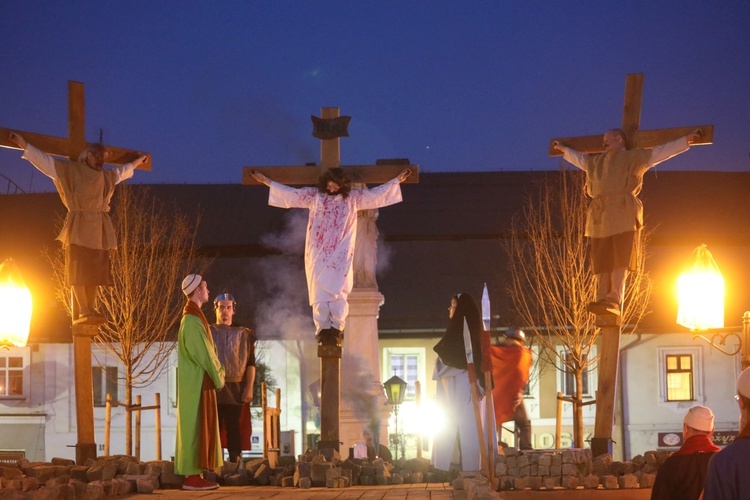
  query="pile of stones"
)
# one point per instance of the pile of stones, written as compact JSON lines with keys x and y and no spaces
{"x":318,"y":470}
{"x":574,"y":469}
{"x":97,"y":479}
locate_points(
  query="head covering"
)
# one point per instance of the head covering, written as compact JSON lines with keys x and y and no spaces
{"x":450,"y":348}
{"x":743,"y":383}
{"x":190,"y":283}
{"x":224,"y":296}
{"x":516,"y":334}
{"x":699,"y":418}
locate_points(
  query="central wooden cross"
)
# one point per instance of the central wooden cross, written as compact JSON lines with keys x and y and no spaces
{"x":329,"y":129}
{"x":631,"y":125}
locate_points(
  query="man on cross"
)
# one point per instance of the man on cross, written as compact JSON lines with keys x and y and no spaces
{"x":329,"y":243}
{"x":85,"y":189}
{"x":615,"y":214}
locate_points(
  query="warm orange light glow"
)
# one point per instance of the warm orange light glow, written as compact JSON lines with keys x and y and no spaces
{"x":15,"y":306}
{"x":700,"y":293}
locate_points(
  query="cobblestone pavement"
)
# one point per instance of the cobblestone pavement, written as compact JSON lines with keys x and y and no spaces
{"x":442,"y":491}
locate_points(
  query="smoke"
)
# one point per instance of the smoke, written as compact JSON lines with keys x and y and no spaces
{"x":356,"y":389}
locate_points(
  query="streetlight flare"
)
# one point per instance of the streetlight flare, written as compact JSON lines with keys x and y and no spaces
{"x":700,"y":293}
{"x":15,"y":306}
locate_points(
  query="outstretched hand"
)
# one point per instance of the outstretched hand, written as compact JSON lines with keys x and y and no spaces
{"x":140,"y":160}
{"x":20,"y":141}
{"x":405,"y":173}
{"x":260,"y":177}
{"x":694,"y":135}
{"x":558,"y":146}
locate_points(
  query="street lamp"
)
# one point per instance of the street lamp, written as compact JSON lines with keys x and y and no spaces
{"x":15,"y":306}
{"x":700,"y":292}
{"x":395,"y":390}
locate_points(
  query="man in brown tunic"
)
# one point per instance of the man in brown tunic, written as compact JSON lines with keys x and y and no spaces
{"x":615,"y":214}
{"x":85,"y":189}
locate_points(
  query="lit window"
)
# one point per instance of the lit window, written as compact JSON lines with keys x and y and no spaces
{"x":13,"y":373}
{"x":407,"y":364}
{"x":679,"y":377}
{"x":568,"y":380}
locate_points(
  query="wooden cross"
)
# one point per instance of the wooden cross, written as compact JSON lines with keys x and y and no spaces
{"x":631,"y":125}
{"x":330,"y":157}
{"x":76,"y":141}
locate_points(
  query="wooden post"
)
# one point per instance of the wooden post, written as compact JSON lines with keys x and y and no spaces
{"x":107,"y":423}
{"x":601,"y":443}
{"x":330,"y":390}
{"x":264,"y":407}
{"x":86,"y":445}
{"x":558,"y":420}
{"x":157,"y":424}
{"x":418,"y":395}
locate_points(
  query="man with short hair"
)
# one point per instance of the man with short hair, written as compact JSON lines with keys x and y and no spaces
{"x":727,"y":476}
{"x":367,"y":449}
{"x":235,"y":346}
{"x":615,"y":215}
{"x":682,"y":475}
{"x":88,"y":236}
{"x":199,"y":375}
{"x":329,"y":244}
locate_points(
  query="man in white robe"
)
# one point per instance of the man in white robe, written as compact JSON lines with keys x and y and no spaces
{"x":329,"y":242}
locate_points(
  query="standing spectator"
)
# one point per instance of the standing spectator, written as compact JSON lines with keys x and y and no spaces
{"x":728,"y":476}
{"x":682,"y":475}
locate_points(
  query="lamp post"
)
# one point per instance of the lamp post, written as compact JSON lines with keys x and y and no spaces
{"x":700,"y":292}
{"x":395,"y":390}
{"x":15,"y":306}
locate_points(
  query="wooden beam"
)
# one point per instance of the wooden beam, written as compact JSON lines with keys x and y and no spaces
{"x":631,"y":107}
{"x":330,"y":150}
{"x":308,"y":176}
{"x":76,"y":120}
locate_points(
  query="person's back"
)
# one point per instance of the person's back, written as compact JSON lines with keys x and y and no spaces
{"x":727,"y":476}
{"x":681,"y":477}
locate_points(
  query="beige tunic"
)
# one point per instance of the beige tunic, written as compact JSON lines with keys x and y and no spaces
{"x":614,"y":181}
{"x":86,"y":194}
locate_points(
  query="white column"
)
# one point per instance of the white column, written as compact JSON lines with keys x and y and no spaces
{"x":362,"y":396}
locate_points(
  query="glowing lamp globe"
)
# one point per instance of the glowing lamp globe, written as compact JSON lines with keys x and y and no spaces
{"x":395,"y":390}
{"x":700,"y":293}
{"x":15,"y":306}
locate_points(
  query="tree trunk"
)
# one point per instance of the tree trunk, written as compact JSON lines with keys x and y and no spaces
{"x":128,"y":414}
{"x":578,"y":411}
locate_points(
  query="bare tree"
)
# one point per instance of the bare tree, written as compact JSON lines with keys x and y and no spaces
{"x":552,"y":281}
{"x":156,"y":249}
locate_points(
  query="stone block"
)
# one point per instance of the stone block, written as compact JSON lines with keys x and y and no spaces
{"x":524,"y":471}
{"x":555,"y":470}
{"x":534,"y":470}
{"x":568,"y":457}
{"x":318,"y":473}
{"x":601,"y":464}
{"x":29,"y":484}
{"x":62,"y":461}
{"x":513,"y":471}
{"x":511,"y":462}
{"x":550,"y":482}
{"x":262,"y":475}
{"x":535,"y":482}
{"x":544,"y":460}
{"x":305,"y":482}
{"x":609,"y":482}
{"x":41,"y":472}
{"x":520,"y":483}
{"x":397,"y":478}
{"x":542,"y":471}
{"x":628,"y":481}
{"x":591,"y":482}
{"x":501,"y":469}
{"x":647,"y":480}
{"x":457,"y":484}
{"x":366,"y":480}
{"x":569,"y":482}
{"x":506,"y":482}
{"x":569,"y":469}
{"x":556,"y":459}
{"x":10,"y":472}
{"x":522,"y":461}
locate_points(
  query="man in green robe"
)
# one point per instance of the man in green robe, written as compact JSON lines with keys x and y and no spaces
{"x":200,"y":374}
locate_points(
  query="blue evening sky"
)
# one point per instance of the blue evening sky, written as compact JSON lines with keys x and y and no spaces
{"x":209,"y":87}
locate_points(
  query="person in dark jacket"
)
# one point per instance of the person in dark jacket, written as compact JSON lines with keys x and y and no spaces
{"x":682,"y":475}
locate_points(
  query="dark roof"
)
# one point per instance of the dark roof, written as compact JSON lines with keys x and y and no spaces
{"x":446,"y":237}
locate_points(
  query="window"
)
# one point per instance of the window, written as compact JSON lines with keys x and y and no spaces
{"x":104,"y":380}
{"x":407,"y":363}
{"x":14,"y":382}
{"x":567,"y":379}
{"x":404,"y":366}
{"x":679,"y":377}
